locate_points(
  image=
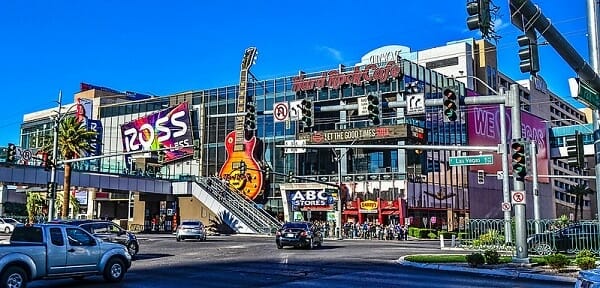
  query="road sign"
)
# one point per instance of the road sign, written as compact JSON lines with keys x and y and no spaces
{"x":363,"y":106}
{"x":471,"y":160}
{"x":295,"y":143}
{"x":415,"y":104}
{"x":588,"y":95}
{"x":281,"y":111}
{"x":26,"y":154}
{"x":517,"y":197}
{"x":295,"y":110}
{"x":506,"y":206}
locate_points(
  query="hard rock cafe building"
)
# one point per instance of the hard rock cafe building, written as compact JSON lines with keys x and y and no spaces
{"x":413,"y":187}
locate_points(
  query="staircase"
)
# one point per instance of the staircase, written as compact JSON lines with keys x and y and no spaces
{"x":245,"y":209}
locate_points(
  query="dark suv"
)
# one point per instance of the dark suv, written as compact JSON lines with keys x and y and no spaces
{"x":299,"y":234}
{"x":109,"y":232}
{"x":569,"y":239}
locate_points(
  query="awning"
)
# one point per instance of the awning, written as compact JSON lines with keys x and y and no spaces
{"x":390,"y":212}
{"x":350,"y":212}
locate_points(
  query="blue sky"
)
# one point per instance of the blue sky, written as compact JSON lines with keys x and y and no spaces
{"x":159,"y":47}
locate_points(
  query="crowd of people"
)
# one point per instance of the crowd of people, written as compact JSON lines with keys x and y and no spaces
{"x":365,"y":230}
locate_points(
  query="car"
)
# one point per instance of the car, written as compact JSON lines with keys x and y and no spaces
{"x":190,"y":229}
{"x":298,"y":234}
{"x":569,"y":239}
{"x":7,"y":225}
{"x":109,"y":232}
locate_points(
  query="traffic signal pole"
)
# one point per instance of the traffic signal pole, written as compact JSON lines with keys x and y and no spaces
{"x":54,"y":158}
{"x":518,"y":185}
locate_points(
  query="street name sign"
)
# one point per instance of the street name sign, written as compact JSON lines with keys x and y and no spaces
{"x":588,"y":95}
{"x":471,"y":160}
{"x":294,"y":150}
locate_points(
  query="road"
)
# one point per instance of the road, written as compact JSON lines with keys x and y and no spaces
{"x":251,"y":261}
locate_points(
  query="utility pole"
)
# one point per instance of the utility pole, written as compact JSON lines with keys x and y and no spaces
{"x":536,"y":190}
{"x":505,"y":176}
{"x":594,"y":60}
{"x":518,"y":185}
{"x":54,"y":159}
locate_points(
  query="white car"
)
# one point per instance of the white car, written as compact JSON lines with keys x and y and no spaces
{"x":7,"y":225}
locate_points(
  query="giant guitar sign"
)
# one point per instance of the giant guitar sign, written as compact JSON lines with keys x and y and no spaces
{"x":241,"y":170}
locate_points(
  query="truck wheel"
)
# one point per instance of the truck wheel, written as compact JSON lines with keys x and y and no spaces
{"x":133,"y":249}
{"x":14,"y":277}
{"x":114,"y":270}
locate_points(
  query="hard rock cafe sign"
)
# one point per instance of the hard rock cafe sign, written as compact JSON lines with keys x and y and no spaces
{"x":335,"y":79}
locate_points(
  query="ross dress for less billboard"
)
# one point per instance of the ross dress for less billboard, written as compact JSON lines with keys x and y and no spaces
{"x":169,"y":128}
{"x":484,"y":130}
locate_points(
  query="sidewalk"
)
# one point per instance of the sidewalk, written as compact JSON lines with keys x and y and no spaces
{"x":508,"y":270}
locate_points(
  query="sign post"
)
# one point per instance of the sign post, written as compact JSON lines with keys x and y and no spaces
{"x":471,"y":160}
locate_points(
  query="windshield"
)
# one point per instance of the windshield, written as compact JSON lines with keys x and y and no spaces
{"x":10,"y":220}
{"x":295,"y":226}
{"x":191,"y":223}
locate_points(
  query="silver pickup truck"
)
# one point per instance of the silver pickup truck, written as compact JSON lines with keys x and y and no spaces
{"x":50,"y":251}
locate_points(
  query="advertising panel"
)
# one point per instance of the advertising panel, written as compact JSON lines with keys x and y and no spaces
{"x":169,"y":128}
{"x":315,"y":200}
{"x":484,"y":130}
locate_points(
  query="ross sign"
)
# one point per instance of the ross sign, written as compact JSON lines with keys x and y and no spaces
{"x":169,"y":128}
{"x":363,"y":106}
{"x":471,"y":160}
{"x":335,"y":79}
{"x":506,"y":206}
{"x":358,"y":134}
{"x":517,"y":197}
{"x":280,"y":111}
{"x":415,"y":104}
{"x":295,"y":110}
{"x":588,"y":95}
{"x":295,"y":143}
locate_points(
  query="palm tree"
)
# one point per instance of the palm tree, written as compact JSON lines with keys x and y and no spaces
{"x":58,"y":204}
{"x":579,"y":191}
{"x":34,"y":203}
{"x":73,"y":142}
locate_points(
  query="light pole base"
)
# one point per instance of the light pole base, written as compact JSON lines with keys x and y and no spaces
{"x":521,"y":260}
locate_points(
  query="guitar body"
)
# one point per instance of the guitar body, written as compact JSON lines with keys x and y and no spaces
{"x":249,"y":182}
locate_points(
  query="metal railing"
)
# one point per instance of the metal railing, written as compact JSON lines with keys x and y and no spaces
{"x":245,"y":209}
{"x":555,"y":236}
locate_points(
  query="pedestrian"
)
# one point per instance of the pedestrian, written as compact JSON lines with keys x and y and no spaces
{"x":400,"y":232}
{"x":405,"y":232}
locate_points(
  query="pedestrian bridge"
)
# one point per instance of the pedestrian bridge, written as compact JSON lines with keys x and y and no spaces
{"x":37,"y":176}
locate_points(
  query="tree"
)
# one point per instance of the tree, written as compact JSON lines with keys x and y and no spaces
{"x":579,"y":191}
{"x":73,"y":142}
{"x":58,"y":204}
{"x":34,"y":204}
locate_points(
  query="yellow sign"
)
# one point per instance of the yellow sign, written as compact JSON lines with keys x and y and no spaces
{"x":368,"y":205}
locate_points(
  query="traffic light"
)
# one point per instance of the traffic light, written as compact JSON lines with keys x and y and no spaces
{"x":480,"y":177}
{"x":11,"y":153}
{"x":250,"y":116}
{"x":46,"y":162}
{"x":162,"y":156}
{"x":290,"y":177}
{"x":308,"y":110}
{"x":411,"y":87}
{"x":50,"y":188}
{"x":196,"y":149}
{"x":451,"y":103}
{"x":374,"y":111}
{"x":528,"y":53}
{"x":243,"y":168}
{"x":479,"y":16}
{"x":519,"y":165}
{"x":575,"y":150}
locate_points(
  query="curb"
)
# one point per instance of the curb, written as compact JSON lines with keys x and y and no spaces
{"x":484,"y":271}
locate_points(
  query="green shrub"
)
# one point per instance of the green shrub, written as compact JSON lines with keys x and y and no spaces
{"x":491,"y":237}
{"x":462,"y":235}
{"x":585,"y":253}
{"x":586,"y":263}
{"x":413,"y":231}
{"x":424,"y":233}
{"x":432,"y":235}
{"x":475,"y":259}
{"x":446,"y":234}
{"x":557,"y":261}
{"x":492,"y":257}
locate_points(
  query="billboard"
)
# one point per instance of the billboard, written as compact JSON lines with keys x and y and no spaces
{"x":169,"y":128}
{"x":484,"y":130}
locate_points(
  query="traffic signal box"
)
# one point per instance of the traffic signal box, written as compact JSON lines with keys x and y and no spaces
{"x":451,"y":102}
{"x":519,"y":160}
{"x":479,"y":16}
{"x":11,"y":153}
{"x":250,"y":122}
{"x":528,"y":53}
{"x":374,"y":109}
{"x":575,"y":150}
{"x":308,"y":112}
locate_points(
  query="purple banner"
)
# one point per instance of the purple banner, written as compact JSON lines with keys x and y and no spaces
{"x":484,"y":130}
{"x":169,"y":128}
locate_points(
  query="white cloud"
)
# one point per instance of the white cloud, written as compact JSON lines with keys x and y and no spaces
{"x":336,"y":54}
{"x":499,"y":24}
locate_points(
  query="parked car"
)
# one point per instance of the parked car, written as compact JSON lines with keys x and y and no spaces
{"x":588,"y":279}
{"x":568,"y":239}
{"x":298,"y":234}
{"x":110,"y":232}
{"x":7,"y":225}
{"x":191,"y":229}
{"x":50,"y":251}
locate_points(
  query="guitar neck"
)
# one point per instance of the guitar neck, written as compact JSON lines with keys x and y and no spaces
{"x":241,"y":108}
